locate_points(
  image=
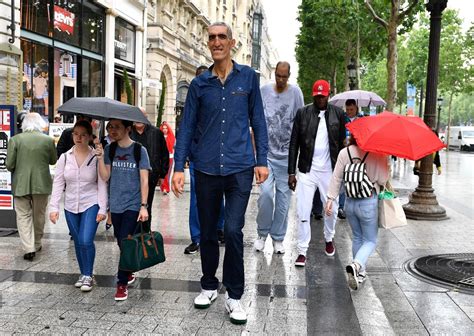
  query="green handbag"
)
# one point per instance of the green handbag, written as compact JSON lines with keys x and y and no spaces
{"x":141,"y":250}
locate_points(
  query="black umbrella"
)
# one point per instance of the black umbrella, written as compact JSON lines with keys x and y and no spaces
{"x":102,"y":108}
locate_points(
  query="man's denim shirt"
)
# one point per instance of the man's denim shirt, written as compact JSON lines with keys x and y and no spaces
{"x":215,"y":132}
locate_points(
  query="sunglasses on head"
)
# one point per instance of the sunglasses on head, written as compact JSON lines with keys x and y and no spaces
{"x":213,"y":37}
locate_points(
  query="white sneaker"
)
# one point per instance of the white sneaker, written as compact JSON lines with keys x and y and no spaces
{"x":236,"y":311}
{"x":79,"y":281}
{"x":205,"y":298}
{"x":278,"y":247}
{"x":87,"y":284}
{"x":259,"y":244}
{"x":352,"y":271}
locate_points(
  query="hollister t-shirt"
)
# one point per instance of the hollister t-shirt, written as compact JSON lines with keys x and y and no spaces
{"x":124,"y":183}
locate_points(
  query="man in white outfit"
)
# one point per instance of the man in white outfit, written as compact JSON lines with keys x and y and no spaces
{"x":317,"y":136}
{"x":280,"y":102}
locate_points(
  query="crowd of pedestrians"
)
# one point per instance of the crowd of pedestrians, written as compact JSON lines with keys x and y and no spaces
{"x":233,"y":132}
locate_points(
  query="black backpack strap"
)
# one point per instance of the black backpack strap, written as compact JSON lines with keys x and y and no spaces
{"x":112,"y":150}
{"x":365,"y":156}
{"x":349,"y":153}
{"x":137,"y":152}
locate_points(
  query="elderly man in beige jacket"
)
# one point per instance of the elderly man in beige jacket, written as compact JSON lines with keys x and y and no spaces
{"x":29,"y":155}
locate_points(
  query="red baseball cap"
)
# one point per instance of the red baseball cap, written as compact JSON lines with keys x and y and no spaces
{"x":321,"y":87}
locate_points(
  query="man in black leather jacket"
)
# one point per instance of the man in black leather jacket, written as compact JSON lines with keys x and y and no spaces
{"x":317,"y":136}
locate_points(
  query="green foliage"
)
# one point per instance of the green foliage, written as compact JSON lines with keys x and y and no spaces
{"x":161,"y":105}
{"x":328,"y":40}
{"x":128,"y":87}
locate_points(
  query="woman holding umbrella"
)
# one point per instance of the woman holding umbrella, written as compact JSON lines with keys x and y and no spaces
{"x":85,"y":199}
{"x":361,"y":207}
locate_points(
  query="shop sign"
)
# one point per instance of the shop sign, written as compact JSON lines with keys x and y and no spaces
{"x":63,"y":20}
{"x":55,"y":130}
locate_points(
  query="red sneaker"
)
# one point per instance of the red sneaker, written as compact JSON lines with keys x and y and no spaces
{"x":122,"y":293}
{"x":131,"y":278}
{"x":300,"y":261}
{"x":330,"y":249}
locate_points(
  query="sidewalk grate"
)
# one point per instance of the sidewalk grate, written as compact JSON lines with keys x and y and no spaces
{"x":454,"y":271}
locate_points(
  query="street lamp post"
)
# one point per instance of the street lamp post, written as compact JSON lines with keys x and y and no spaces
{"x":440,"y":104}
{"x":423,"y":204}
{"x":352,"y":72}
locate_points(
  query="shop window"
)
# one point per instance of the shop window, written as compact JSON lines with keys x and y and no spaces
{"x":35,"y":16}
{"x":120,"y":87}
{"x":67,"y":21}
{"x":91,"y":78}
{"x":65,"y":77}
{"x":124,"y":41}
{"x":93,"y":23}
{"x":35,"y":77}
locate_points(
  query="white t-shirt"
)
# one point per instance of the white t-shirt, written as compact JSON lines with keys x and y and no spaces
{"x":321,"y":158}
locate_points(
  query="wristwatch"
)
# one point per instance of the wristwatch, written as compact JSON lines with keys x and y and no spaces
{"x":144,"y":205}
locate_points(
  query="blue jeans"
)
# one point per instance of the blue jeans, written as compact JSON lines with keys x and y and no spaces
{"x":209,"y":192}
{"x":342,"y":199}
{"x":362,"y":215}
{"x":83,"y":227}
{"x":274,"y":201}
{"x":194,"y":226}
{"x":124,"y":223}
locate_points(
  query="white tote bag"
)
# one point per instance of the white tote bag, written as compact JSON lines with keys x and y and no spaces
{"x":391,"y":214}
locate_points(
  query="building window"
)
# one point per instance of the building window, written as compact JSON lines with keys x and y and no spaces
{"x":124,"y":41}
{"x":91,"y":78}
{"x":35,"y":77}
{"x":93,"y":24}
{"x":35,"y":16}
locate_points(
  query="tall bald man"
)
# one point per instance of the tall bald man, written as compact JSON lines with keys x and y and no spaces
{"x":280,"y":103}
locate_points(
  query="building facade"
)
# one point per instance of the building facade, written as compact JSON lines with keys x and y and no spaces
{"x":78,"y":48}
{"x":177,"y":45}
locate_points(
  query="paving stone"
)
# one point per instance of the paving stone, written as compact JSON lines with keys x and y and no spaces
{"x":375,"y":330}
{"x":20,"y":328}
{"x":12,"y":310}
{"x":93,"y":324}
{"x":58,"y":330}
{"x":17,"y":318}
{"x":53,"y":321}
{"x":134,"y":327}
{"x":117,"y":317}
{"x":82,"y":315}
{"x":99,"y":332}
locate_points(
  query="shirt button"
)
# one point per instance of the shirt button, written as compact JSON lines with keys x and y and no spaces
{"x":223,"y":88}
{"x":223,"y":98}
{"x":222,"y":132}
{"x":223,"y":109}
{"x":222,"y":154}
{"x":222,"y":166}
{"x":223,"y":121}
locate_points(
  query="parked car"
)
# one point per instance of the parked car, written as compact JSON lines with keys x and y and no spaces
{"x":462,"y":138}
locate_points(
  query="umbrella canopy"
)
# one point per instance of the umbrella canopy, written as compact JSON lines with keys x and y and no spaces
{"x":363,"y":98}
{"x":392,"y":134}
{"x":102,"y":108}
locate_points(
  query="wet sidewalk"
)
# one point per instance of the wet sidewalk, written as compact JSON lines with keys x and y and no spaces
{"x":39,"y":296}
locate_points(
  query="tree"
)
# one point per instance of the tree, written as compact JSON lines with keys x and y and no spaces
{"x":333,"y":32}
{"x":396,"y":17}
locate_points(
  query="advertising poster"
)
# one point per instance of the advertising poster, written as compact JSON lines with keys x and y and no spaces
{"x":6,"y":128}
{"x":411,"y":95}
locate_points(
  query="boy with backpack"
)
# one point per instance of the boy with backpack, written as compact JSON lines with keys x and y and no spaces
{"x":125,"y":164}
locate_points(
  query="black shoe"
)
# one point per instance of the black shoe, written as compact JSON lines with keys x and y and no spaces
{"x":341,"y":214}
{"x":29,"y":256}
{"x":191,"y":249}
{"x":318,"y":216}
{"x":220,"y":236}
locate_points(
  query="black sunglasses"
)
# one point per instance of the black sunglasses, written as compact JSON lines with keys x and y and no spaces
{"x":221,"y":37}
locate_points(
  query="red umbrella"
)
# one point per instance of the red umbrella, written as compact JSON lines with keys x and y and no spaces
{"x":393,"y":134}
